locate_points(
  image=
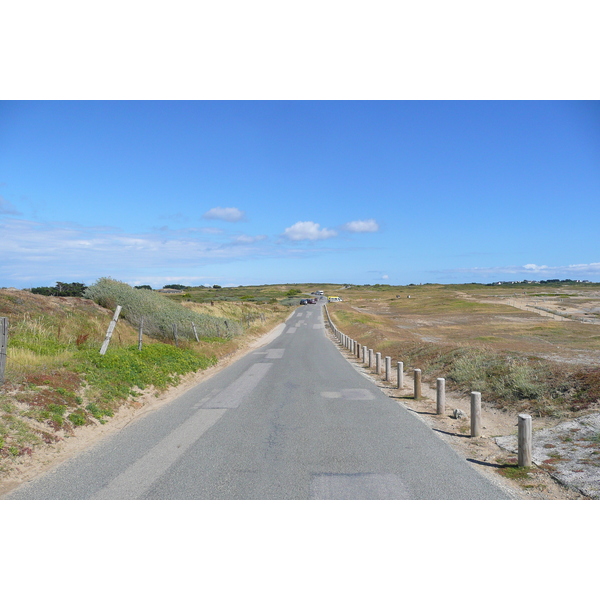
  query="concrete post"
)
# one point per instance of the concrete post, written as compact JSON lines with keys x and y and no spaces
{"x":417,"y":383}
{"x":378,"y":363}
{"x":441,"y":396}
{"x":371,"y":358}
{"x":388,"y":368}
{"x":400,"y":375}
{"x":525,"y":438}
{"x":475,"y":414}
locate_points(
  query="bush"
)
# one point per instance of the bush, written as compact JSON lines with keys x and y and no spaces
{"x":159,"y":312}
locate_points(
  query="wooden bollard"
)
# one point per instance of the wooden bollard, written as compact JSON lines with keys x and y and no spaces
{"x":475,"y":414}
{"x":378,"y":363}
{"x":357,"y":350}
{"x":417,"y":383}
{"x":525,"y":441}
{"x":388,"y":367}
{"x":400,"y":375}
{"x":441,"y":396}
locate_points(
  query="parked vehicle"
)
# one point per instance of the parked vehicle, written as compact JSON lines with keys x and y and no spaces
{"x":333,"y":299}
{"x":304,"y":301}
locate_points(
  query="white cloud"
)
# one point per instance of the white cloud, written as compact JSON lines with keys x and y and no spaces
{"x":249,"y":239}
{"x":368,"y":226}
{"x":225,"y":214}
{"x":308,"y":230}
{"x":36,"y":253}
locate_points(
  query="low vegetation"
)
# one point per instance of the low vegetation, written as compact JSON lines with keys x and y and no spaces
{"x":159,"y":313}
{"x":518,"y":360}
{"x":56,"y":380}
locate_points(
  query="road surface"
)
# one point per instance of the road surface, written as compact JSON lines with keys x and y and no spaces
{"x":290,"y":420}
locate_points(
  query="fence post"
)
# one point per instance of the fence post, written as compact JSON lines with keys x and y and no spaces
{"x":378,"y":363}
{"x":417,"y":383}
{"x":196,"y":333}
{"x":400,"y":375}
{"x":175,"y":334}
{"x":3,"y":346}
{"x":109,"y":331}
{"x":371,"y":357}
{"x":141,"y":333}
{"x":388,"y":367}
{"x":357,"y":350}
{"x":441,"y":396}
{"x":525,"y":441}
{"x":475,"y":414}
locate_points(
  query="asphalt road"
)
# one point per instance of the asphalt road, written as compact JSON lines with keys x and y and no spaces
{"x":291,"y":420}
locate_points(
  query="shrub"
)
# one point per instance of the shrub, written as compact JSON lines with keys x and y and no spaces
{"x":159,"y":313}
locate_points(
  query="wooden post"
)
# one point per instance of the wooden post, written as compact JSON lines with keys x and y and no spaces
{"x":475,"y":414}
{"x":196,"y":333}
{"x":441,"y":396}
{"x":378,"y":363}
{"x":357,"y":350}
{"x":141,"y":333}
{"x":417,"y":383}
{"x":109,"y":331}
{"x":525,"y":441}
{"x":3,"y":346}
{"x":175,"y":334}
{"x":388,"y":367}
{"x":400,"y":375}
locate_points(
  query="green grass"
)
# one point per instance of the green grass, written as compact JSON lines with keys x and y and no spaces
{"x":121,"y":370}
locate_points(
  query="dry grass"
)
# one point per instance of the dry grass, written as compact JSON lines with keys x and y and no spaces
{"x":56,"y":380}
{"x":518,"y":359}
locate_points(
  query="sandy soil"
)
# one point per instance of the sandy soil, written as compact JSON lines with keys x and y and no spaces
{"x":26,"y":468}
{"x":484,"y":453}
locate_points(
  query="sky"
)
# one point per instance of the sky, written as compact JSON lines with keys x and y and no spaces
{"x":262,"y":192}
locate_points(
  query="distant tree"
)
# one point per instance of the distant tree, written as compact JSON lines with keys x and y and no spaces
{"x":143,"y":287}
{"x":44,"y":291}
{"x":217,"y":287}
{"x":175,"y":286}
{"x":62,"y":289}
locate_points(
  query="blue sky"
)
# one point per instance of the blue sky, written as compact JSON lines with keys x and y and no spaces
{"x":254,"y":192}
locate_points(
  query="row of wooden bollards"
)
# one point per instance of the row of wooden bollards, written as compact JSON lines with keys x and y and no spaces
{"x":384,"y":367}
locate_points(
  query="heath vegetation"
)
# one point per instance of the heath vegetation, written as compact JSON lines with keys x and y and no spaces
{"x":56,"y":380}
{"x":475,"y":338}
